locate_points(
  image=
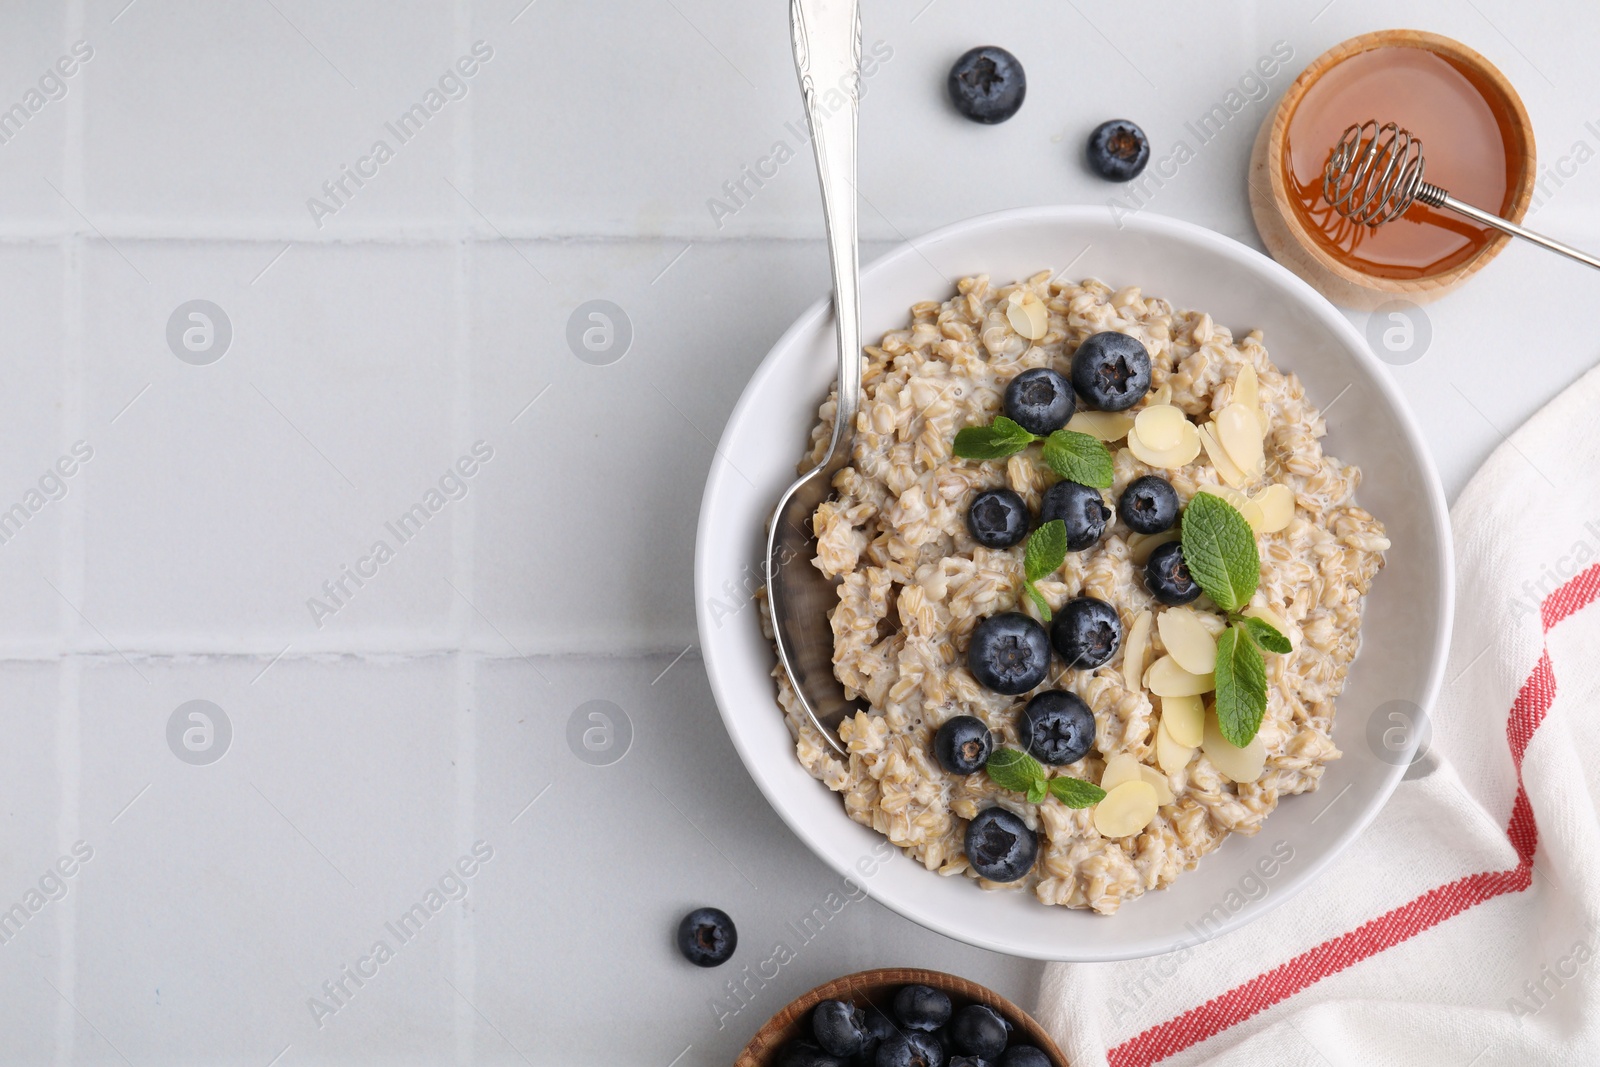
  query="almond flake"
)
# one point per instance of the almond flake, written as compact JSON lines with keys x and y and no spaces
{"x":1165,"y":678}
{"x":1134,"y":652}
{"x":1185,"y":719}
{"x":1247,"y":387}
{"x":1102,"y":425}
{"x":1028,"y":318}
{"x":1240,"y":502}
{"x":1172,"y":458}
{"x":1163,"y":788}
{"x":1170,"y":755}
{"x":1141,"y":545}
{"x":1227,"y":469}
{"x":1239,"y":433}
{"x":1241,"y":765}
{"x":1276,"y":503}
{"x":1126,"y":810}
{"x":1187,"y":641}
{"x":1160,"y":426}
{"x":1119,"y":768}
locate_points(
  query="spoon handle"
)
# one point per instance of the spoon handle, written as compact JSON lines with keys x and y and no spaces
{"x":1434,"y":196}
{"x":827,"y":57}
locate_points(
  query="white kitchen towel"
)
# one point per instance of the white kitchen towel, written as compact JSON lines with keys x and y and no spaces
{"x":1460,"y":929}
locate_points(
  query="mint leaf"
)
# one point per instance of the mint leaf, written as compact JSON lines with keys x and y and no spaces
{"x":1075,"y":792}
{"x":1037,"y":791}
{"x":1014,"y":769}
{"x":1038,"y":601}
{"x":1241,"y":687}
{"x":1046,"y":551}
{"x":998,"y":441}
{"x":1079,"y":458}
{"x":1219,"y":548}
{"x":1266,"y":635}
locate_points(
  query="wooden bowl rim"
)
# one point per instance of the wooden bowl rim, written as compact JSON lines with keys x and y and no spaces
{"x":1521,"y":131}
{"x":773,"y":1033}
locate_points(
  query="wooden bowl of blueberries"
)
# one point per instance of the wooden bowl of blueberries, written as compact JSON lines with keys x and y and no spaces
{"x":901,"y":1017}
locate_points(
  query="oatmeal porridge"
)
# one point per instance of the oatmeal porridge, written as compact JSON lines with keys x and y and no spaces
{"x":915,"y":584}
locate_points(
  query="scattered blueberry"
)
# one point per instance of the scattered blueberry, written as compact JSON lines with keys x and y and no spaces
{"x":840,"y":1028}
{"x":1000,"y":846}
{"x":707,"y":937}
{"x":1167,"y":576}
{"x":913,"y":1049}
{"x":1081,"y":508}
{"x":1040,"y":400}
{"x":979,"y":1030}
{"x":1118,"y":150}
{"x":963,"y":744}
{"x":1024,"y":1056}
{"x":1149,"y":505}
{"x":987,"y":85}
{"x":921,"y":1007}
{"x":1056,"y":727}
{"x":1087,"y":632}
{"x":997,"y":518}
{"x":806,"y":1054}
{"x":1111,"y":371}
{"x":1010,"y":653}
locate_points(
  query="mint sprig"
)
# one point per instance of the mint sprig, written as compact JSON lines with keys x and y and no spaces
{"x":1013,"y":769}
{"x":1075,"y":456}
{"x":1219,"y":549}
{"x":1046,"y":551}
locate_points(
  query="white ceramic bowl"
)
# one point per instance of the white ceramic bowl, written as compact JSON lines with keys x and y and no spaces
{"x":1405,"y":636}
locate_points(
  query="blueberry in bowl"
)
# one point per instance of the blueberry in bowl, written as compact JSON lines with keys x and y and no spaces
{"x":1148,"y":505}
{"x":987,"y":84}
{"x":1117,"y":150}
{"x":980,"y":1031}
{"x":1080,"y":508}
{"x":997,"y":518}
{"x":922,"y":1007}
{"x":809,"y":1054}
{"x":1056,"y":727}
{"x":839,"y":1027}
{"x":911,"y":1049}
{"x":1111,"y":371}
{"x":1087,"y":632}
{"x":999,"y":845}
{"x":1010,"y":653}
{"x":1167,"y":576}
{"x":962,"y":745}
{"x":1040,"y":400}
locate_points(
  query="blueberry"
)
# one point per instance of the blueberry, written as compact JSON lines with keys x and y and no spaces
{"x":921,"y":1007}
{"x":1111,"y":371}
{"x":963,"y":744}
{"x":997,"y":518}
{"x":1056,"y":727}
{"x":967,"y":1061}
{"x":1167,"y":575}
{"x":1118,"y":150}
{"x":806,"y":1054}
{"x":1040,"y":400}
{"x":914,"y":1049}
{"x":1087,"y":632}
{"x":879,"y":1030}
{"x":1010,"y":653}
{"x":987,"y":85}
{"x":1149,"y":505}
{"x":840,"y":1028}
{"x":707,"y":937}
{"x":1000,"y":846}
{"x":1024,"y":1056}
{"x":1080,"y":507}
{"x":979,"y":1030}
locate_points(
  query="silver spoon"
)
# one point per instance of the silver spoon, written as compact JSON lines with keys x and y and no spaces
{"x":827,"y":56}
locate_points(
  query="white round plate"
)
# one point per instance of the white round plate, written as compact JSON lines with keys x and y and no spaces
{"x":1405,"y":635}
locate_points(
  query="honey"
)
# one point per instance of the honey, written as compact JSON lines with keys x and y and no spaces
{"x":1463,"y":126}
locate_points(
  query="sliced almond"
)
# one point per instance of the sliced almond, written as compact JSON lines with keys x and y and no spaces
{"x":1227,"y":469}
{"x":1240,"y":502}
{"x":1119,"y":768}
{"x":1126,"y":810}
{"x":1241,"y":765}
{"x":1214,"y":624}
{"x":1102,"y":425}
{"x":1160,"y":427}
{"x":1178,"y":455}
{"x":1170,"y":755}
{"x":1165,"y":678}
{"x":1028,"y":317}
{"x":1161,"y":394}
{"x":1184,"y":719}
{"x":1141,"y":545}
{"x":1247,"y":387}
{"x":1276,"y":503}
{"x":1163,"y":788}
{"x":1272,"y":619}
{"x":1239,"y":433}
{"x":1187,"y":641}
{"x":1134,"y":652}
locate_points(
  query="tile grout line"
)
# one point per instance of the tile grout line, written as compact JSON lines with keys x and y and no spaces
{"x":463,"y":527}
{"x":70,"y":552}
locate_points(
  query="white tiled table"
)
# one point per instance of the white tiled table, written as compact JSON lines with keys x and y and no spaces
{"x":377,"y":738}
